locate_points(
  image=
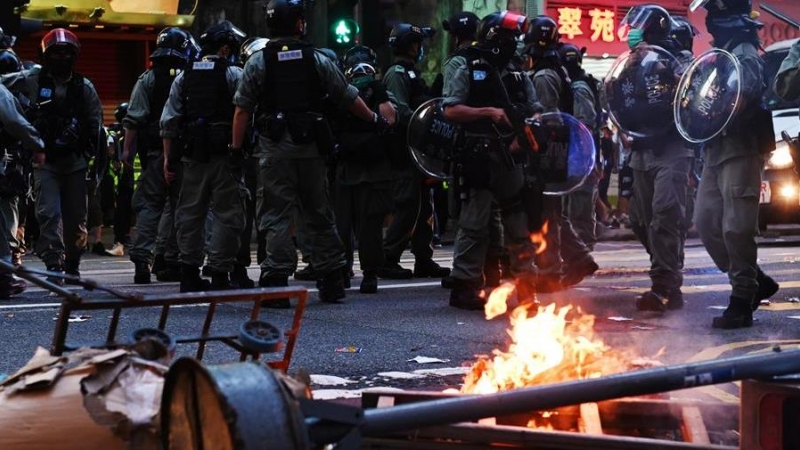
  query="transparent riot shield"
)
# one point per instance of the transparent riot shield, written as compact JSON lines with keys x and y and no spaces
{"x":639,"y":91}
{"x":565,"y":150}
{"x":432,"y":140}
{"x":708,"y":96}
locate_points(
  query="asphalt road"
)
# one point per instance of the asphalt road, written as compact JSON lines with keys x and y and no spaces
{"x":411,"y":318}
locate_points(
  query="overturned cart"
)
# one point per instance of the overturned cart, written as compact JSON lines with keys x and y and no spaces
{"x":247,"y":406}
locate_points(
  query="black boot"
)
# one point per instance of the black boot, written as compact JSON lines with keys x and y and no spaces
{"x":738,"y":315}
{"x":240,"y":278}
{"x":369,"y":285}
{"x":653,"y":300}
{"x":347,"y":274}
{"x":191,"y":281}
{"x":305,"y":274}
{"x":10,"y":286}
{"x":142,"y":273}
{"x":767,"y":287}
{"x":159,"y":264}
{"x":331,"y":289}
{"x":394,"y":271}
{"x":170,"y":273}
{"x":675,"y":299}
{"x":58,"y":269}
{"x":429,"y":269}
{"x":466,"y":295}
{"x":274,"y":281}
{"x":575,"y":272}
{"x":72,"y":267}
{"x":221,"y":282}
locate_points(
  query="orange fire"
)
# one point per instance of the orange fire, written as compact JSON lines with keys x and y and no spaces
{"x":538,"y":239}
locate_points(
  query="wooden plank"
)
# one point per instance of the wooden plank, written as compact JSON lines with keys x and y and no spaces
{"x":693,"y":428}
{"x":590,"y":419}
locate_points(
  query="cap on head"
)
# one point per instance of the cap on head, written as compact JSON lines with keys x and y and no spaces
{"x":463,"y":25}
{"x":283,"y":17}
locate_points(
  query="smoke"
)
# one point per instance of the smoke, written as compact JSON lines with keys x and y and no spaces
{"x":145,"y":6}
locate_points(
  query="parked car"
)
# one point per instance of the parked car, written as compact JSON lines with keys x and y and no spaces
{"x":780,"y":188}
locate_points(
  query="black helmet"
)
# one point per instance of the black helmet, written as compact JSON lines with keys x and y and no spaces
{"x":463,"y":25}
{"x":6,"y":41}
{"x":282,"y":17}
{"x":502,"y":25}
{"x":223,"y":33}
{"x":405,"y":34}
{"x":654,"y":21}
{"x":683,"y":32}
{"x":173,"y":42}
{"x":360,"y":70}
{"x":571,"y":55}
{"x":360,"y":54}
{"x":542,"y":35}
{"x":9,"y":62}
{"x":121,"y":112}
{"x":722,"y":8}
{"x":250,"y":46}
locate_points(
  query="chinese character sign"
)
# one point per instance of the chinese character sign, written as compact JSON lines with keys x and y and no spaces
{"x":596,"y":27}
{"x":569,"y":22}
{"x":602,"y":25}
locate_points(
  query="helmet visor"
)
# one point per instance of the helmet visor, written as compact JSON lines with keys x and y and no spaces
{"x":640,"y":16}
{"x":697,"y":4}
{"x":516,"y":23}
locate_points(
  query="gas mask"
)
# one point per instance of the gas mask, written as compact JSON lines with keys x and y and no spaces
{"x":60,"y":66}
{"x":501,"y":52}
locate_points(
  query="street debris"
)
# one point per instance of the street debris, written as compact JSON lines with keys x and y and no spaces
{"x":620,"y":319}
{"x":721,"y":308}
{"x":330,"y":380}
{"x":333,"y":394}
{"x":792,"y":300}
{"x":76,"y":319}
{"x":444,"y":372}
{"x":400,"y":375}
{"x":640,"y":327}
{"x":349,"y":349}
{"x":427,"y":360}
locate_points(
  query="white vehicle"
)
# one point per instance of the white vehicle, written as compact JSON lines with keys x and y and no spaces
{"x":780,"y":188}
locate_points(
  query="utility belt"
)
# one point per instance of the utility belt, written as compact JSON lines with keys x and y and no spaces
{"x":304,"y":128}
{"x":204,"y":140}
{"x":484,"y":162}
{"x":62,"y":138}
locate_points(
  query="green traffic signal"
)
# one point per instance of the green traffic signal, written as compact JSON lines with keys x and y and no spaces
{"x":345,"y":31}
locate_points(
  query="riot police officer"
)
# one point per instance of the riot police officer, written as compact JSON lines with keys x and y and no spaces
{"x":787,"y":81}
{"x":173,"y":50}
{"x":579,"y":205}
{"x":123,"y":192}
{"x":68,"y":115}
{"x":15,"y":130}
{"x":478,"y":96}
{"x":200,"y":105}
{"x":727,"y":198}
{"x":463,"y":28}
{"x":363,"y":180}
{"x":413,"y":206}
{"x":285,"y":84}
{"x":660,"y":166}
{"x":552,"y":85}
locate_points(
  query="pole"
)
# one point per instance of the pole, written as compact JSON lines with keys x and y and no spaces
{"x":378,"y":422}
{"x":772,"y":10}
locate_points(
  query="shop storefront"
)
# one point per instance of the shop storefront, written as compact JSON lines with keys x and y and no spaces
{"x":596,"y":26}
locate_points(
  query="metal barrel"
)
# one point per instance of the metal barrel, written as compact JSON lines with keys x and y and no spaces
{"x":382,"y":421}
{"x":229,"y":407}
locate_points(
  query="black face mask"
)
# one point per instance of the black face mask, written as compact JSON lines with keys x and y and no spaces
{"x":500,"y":53}
{"x":60,"y":67}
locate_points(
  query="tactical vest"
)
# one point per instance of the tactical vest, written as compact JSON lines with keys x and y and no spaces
{"x":418,"y":92}
{"x":209,"y":108}
{"x":291,"y":81}
{"x":163,"y":76}
{"x":358,"y":140}
{"x":488,"y":89}
{"x":208,"y":98}
{"x":598,"y":109}
{"x":565,"y":97}
{"x":61,"y":124}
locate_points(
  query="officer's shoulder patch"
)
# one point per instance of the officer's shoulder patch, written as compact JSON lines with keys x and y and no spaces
{"x":479,"y":75}
{"x":45,"y":92}
{"x":412,"y":74}
{"x":400,"y":69}
{"x":203,"y":65}
{"x":290,"y":55}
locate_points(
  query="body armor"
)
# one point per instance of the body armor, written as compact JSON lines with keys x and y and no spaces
{"x":209,"y":108}
{"x":60,"y":122}
{"x":417,"y":89}
{"x":163,"y":77}
{"x":565,"y":98}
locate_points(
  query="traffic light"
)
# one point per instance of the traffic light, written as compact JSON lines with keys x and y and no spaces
{"x":344,"y":32}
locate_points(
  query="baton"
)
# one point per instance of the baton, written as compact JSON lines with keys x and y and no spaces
{"x":780,"y":15}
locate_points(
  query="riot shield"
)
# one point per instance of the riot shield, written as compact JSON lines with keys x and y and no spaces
{"x":565,"y":151}
{"x":708,"y":95}
{"x":432,"y":139}
{"x":639,"y":91}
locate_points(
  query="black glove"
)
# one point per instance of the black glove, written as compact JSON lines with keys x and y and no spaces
{"x":380,"y":123}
